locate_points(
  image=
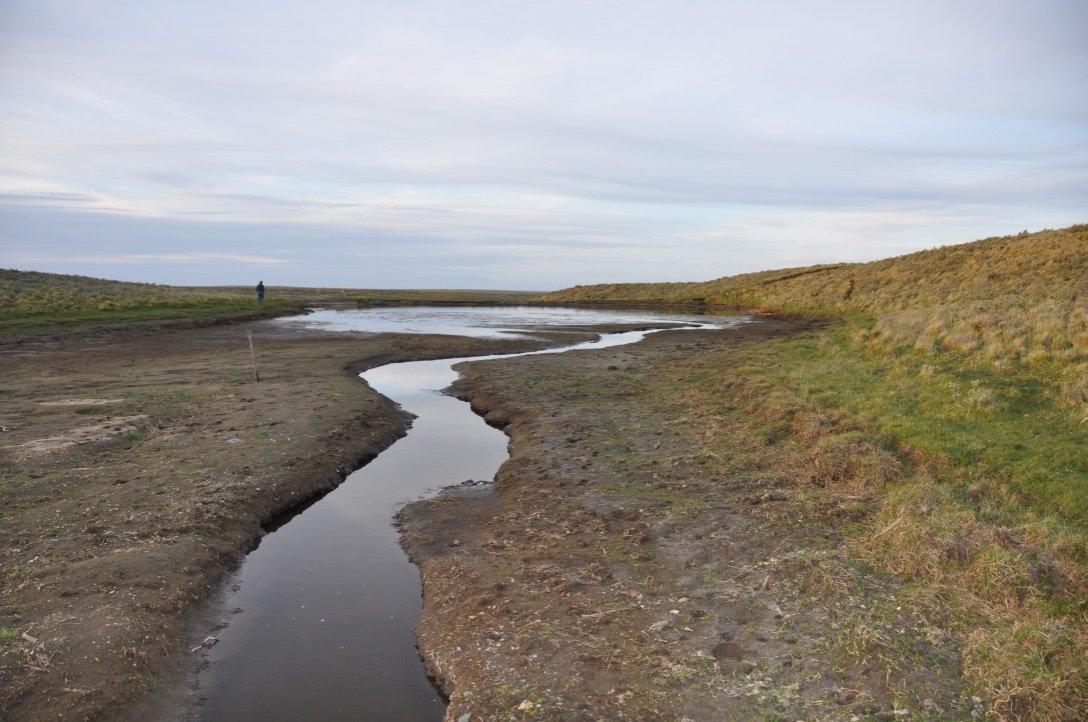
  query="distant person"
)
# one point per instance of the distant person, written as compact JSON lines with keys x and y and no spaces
{"x":260,"y":292}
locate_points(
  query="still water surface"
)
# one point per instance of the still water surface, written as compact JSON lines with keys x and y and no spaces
{"x":479,"y":321}
{"x":324,"y":608}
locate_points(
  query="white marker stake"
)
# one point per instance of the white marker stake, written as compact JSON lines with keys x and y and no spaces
{"x":253,"y":355}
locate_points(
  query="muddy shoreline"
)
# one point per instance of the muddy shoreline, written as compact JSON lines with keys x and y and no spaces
{"x":138,"y":466}
{"x":640,"y":556}
{"x":625,"y":567}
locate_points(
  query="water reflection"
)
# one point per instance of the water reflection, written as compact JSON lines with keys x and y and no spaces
{"x":482,"y":322}
{"x":326,"y":605}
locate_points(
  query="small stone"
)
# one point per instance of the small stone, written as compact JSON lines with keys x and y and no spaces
{"x":455,"y":543}
{"x":467,"y":717}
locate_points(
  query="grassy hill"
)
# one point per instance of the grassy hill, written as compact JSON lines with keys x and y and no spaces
{"x":1010,"y":301}
{"x":30,"y":292}
{"x":33,"y":302}
{"x":1029,"y":266}
{"x":967,"y":365}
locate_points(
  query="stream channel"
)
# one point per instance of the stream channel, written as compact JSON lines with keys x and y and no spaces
{"x":320,"y":617}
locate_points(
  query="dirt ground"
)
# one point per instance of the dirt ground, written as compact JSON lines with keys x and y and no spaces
{"x":135,"y":468}
{"x":624,"y":567}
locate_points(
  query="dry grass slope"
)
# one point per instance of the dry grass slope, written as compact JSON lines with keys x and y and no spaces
{"x":25,"y":293}
{"x":969,"y":364}
{"x":1008,"y":301}
{"x":31,"y":292}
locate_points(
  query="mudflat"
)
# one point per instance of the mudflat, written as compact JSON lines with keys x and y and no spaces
{"x":137,"y":466}
{"x":651,"y":553}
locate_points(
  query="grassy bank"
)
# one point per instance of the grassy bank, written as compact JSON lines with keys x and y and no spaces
{"x":941,"y":415}
{"x":1011,"y":302}
{"x":200,"y":313}
{"x":971,"y":484}
{"x":28,"y":293}
{"x":32,"y":302}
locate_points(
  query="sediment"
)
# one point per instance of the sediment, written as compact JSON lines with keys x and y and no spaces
{"x":136,"y":467}
{"x":625,"y":567}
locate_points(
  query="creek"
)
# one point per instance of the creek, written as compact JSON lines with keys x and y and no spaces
{"x":321,"y":614}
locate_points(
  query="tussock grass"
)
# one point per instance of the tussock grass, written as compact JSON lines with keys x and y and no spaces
{"x":1007,"y":302}
{"x":938,"y":486}
{"x":944,"y":420}
{"x":29,"y":293}
{"x":31,"y":301}
{"x":34,"y":303}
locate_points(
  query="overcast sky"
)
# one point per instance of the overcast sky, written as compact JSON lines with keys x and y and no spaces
{"x":529,"y":145}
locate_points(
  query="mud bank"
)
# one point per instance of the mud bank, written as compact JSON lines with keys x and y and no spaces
{"x":136,"y":468}
{"x":626,"y":568}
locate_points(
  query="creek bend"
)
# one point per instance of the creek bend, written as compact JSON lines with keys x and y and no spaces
{"x":323,"y":611}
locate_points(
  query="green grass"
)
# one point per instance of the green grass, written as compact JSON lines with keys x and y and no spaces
{"x":31,"y":293}
{"x":200,"y":312}
{"x":1005,"y":430}
{"x":1010,"y":302}
{"x":977,"y":486}
{"x":34,"y":303}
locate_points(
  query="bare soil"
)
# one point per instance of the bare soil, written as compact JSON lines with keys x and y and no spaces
{"x":136,"y":467}
{"x":624,"y":567}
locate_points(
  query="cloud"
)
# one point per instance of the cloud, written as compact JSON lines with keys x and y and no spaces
{"x":692,"y":137}
{"x":108,"y":259}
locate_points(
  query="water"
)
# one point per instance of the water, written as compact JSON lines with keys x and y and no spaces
{"x":479,"y":321}
{"x":326,"y":604}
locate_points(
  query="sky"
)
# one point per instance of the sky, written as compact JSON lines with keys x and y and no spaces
{"x":528,"y":145}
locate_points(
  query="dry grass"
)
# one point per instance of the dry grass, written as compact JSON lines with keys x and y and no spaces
{"x":1007,"y":579}
{"x":30,"y":293}
{"x":1007,"y":302}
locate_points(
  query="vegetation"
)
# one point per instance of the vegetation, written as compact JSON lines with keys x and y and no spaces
{"x":1011,"y":302}
{"x":32,"y":302}
{"x":27,"y":293}
{"x":944,"y":414}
